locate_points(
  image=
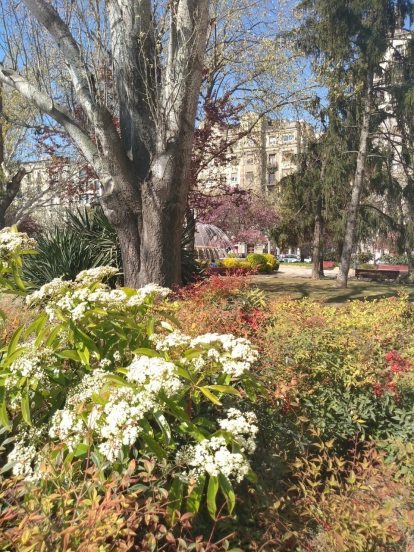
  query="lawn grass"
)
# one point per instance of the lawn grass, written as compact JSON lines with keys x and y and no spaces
{"x":325,"y":290}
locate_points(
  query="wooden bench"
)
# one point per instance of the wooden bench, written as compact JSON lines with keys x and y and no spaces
{"x":383,"y":272}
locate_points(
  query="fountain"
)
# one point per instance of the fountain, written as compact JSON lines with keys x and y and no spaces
{"x":211,"y":242}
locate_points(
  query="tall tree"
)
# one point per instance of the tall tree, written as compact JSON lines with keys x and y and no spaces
{"x":156,"y":52}
{"x":349,"y":41}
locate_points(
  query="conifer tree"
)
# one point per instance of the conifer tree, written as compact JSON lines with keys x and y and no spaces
{"x":348,"y":41}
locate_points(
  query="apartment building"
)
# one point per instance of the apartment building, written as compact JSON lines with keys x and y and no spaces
{"x":261,"y":158}
{"x":47,"y":191}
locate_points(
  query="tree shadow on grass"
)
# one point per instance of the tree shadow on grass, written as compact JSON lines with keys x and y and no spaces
{"x":326,"y":292}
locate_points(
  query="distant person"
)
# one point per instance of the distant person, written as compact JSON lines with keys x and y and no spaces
{"x":213,"y":264}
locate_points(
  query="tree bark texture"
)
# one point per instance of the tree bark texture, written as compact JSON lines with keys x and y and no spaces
{"x":144,"y":167}
{"x":358,"y":184}
{"x":317,"y":238}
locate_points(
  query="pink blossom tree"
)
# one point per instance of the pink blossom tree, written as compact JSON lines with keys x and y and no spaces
{"x":243,"y":216}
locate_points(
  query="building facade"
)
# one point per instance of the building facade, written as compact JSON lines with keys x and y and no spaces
{"x":264,"y":154}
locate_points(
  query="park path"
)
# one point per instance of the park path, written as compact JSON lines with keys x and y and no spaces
{"x":291,"y":271}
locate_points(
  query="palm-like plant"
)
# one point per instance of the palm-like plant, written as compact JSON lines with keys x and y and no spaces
{"x":88,"y":240}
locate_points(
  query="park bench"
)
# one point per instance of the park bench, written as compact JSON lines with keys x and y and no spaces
{"x":328,"y":265}
{"x":383,"y":272}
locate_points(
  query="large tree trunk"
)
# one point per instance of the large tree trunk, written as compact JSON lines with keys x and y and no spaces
{"x":359,"y":179}
{"x":317,"y":238}
{"x":7,"y":195}
{"x":145,"y":168}
{"x":150,"y":239}
{"x":149,"y":227}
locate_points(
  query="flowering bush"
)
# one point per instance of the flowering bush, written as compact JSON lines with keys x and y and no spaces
{"x":106,"y":374}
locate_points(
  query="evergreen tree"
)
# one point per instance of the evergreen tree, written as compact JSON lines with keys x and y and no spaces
{"x":348,"y":41}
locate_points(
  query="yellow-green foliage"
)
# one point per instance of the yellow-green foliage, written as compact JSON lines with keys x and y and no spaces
{"x":74,"y":509}
{"x":354,"y":505}
{"x":234,"y":263}
{"x":338,"y":361}
{"x":271,"y":261}
{"x":230,"y":263}
{"x":258,"y":262}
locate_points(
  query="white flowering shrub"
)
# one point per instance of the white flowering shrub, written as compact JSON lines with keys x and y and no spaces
{"x":13,"y":244}
{"x":106,"y":375}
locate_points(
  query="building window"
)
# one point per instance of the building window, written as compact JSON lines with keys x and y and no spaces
{"x":271,"y":188}
{"x":249,"y":177}
{"x":272,"y":140}
{"x":249,"y":161}
{"x":234,"y":177}
{"x":272,"y":159}
{"x":272,"y":177}
{"x":288,"y":137}
{"x":235,"y":162}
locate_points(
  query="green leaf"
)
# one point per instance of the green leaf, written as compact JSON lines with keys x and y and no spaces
{"x":228,"y":491}
{"x":26,"y":407}
{"x":14,"y":340}
{"x":52,"y":336}
{"x":83,"y":353}
{"x":147,"y":352}
{"x":182,"y":372}
{"x":12,"y":358}
{"x":8,"y":466}
{"x":227,"y":389}
{"x":3,"y":410}
{"x":165,"y":428}
{"x":175,"y":496}
{"x":2,"y":315}
{"x":129,"y":292}
{"x":36,"y":325}
{"x":251,"y":476}
{"x":210,"y":395}
{"x":72,"y":355}
{"x":182,"y":415}
{"x":150,"y":326}
{"x":85,"y":340}
{"x":81,"y":450}
{"x":119,"y":381}
{"x":172,"y":319}
{"x":17,"y":279}
{"x":154,"y":446}
{"x":212,"y":489}
{"x":193,"y":353}
{"x":194,"y":500}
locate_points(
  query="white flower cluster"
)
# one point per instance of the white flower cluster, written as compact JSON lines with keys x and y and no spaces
{"x":117,"y":422}
{"x":243,"y":428}
{"x":68,"y":427}
{"x":31,"y":365}
{"x":235,"y":354}
{"x":173,"y":340}
{"x":93,"y":275}
{"x":90,"y":384}
{"x":76,"y":298}
{"x":23,"y":454}
{"x":213,"y":456}
{"x":48,"y":292}
{"x":11,"y":240}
